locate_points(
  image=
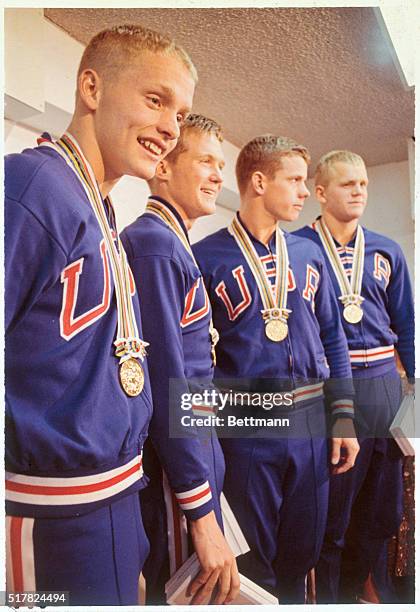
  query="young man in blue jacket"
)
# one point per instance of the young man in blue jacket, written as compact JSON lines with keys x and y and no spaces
{"x":280,"y":333}
{"x":186,"y":470}
{"x":373,"y":293}
{"x":78,"y":398}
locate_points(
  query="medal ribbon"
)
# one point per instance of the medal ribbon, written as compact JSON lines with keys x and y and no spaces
{"x":271,"y":301}
{"x":350,"y":290}
{"x":158,"y":209}
{"x":128,"y":342}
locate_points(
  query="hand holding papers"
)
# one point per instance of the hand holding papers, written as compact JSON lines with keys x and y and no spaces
{"x":176,"y":588}
{"x":249,"y":594}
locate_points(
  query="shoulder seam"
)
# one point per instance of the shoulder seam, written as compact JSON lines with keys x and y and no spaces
{"x":30,"y":212}
{"x":158,"y":256}
{"x":32,"y":177}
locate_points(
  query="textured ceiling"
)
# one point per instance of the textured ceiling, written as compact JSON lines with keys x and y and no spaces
{"x":324,"y":76}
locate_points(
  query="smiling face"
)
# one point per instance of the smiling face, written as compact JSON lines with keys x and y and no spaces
{"x":194,"y":179}
{"x":139,"y":112}
{"x":284,"y":194}
{"x":344,"y":195}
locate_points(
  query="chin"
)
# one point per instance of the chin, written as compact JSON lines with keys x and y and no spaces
{"x":145,"y":170}
{"x":293,"y":216}
{"x":354,"y":215}
{"x":207,"y":208}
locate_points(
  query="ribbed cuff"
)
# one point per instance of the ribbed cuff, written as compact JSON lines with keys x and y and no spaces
{"x":196,"y":502}
{"x":342,"y":408}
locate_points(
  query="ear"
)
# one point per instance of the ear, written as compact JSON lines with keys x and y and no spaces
{"x":320,"y":194}
{"x":89,"y":88}
{"x":258,"y":182}
{"x":163,"y":171}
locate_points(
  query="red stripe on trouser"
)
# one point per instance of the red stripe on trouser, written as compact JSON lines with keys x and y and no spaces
{"x":16,"y":552}
{"x":177,"y":532}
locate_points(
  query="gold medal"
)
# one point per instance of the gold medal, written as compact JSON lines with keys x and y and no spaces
{"x":274,"y":299}
{"x":351,"y":289}
{"x":353,"y":313}
{"x":132,"y":377}
{"x":276,"y":330}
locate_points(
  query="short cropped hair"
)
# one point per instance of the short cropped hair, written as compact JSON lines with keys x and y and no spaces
{"x":328,"y":161}
{"x":113,"y":48}
{"x":194,"y":123}
{"x":264,"y":154}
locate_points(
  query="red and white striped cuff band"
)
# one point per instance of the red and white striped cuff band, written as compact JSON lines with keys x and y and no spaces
{"x":45,"y":491}
{"x":194,"y":498}
{"x":342,"y":407}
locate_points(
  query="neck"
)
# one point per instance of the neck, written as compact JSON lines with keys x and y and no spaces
{"x":261,"y":224}
{"x":180,"y":210}
{"x":342,"y":231}
{"x":81,"y":129}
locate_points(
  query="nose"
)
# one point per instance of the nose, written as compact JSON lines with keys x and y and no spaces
{"x":304,"y":192}
{"x":168,"y":124}
{"x":216,"y":175}
{"x":357,"y":189}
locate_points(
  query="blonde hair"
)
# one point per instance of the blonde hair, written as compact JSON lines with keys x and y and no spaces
{"x":264,"y":153}
{"x":112,"y":49}
{"x":198,"y":124}
{"x":328,"y":161}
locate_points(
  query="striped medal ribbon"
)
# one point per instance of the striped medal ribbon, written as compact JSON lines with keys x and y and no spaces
{"x":275,"y":312}
{"x":129,"y":347}
{"x":350,"y":290}
{"x":158,"y":209}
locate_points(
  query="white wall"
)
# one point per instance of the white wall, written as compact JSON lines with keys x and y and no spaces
{"x":208,"y":225}
{"x":389,"y":210}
